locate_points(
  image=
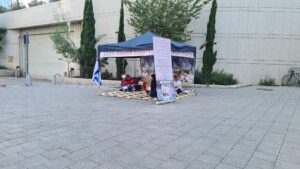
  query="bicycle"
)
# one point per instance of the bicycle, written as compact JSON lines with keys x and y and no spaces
{"x":291,"y":79}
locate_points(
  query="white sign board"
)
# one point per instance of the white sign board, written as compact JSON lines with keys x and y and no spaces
{"x":162,"y":59}
{"x":163,"y":70}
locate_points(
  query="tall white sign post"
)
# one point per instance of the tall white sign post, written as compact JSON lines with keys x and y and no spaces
{"x":163,"y":70}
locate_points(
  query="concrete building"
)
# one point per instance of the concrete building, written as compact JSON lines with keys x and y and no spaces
{"x":255,"y":38}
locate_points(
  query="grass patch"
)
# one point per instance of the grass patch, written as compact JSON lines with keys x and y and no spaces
{"x":217,"y":78}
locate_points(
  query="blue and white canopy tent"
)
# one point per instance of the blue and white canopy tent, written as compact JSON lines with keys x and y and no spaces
{"x":142,"y":47}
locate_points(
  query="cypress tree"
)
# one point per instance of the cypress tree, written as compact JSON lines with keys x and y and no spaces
{"x":87,"y":42}
{"x":2,"y":33}
{"x":209,"y":55}
{"x":121,"y":62}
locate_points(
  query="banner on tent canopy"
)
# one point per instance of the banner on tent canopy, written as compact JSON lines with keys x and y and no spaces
{"x":136,"y":53}
{"x":183,"y":68}
{"x":142,"y":53}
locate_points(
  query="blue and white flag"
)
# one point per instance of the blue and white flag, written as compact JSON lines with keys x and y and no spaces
{"x":96,"y":74}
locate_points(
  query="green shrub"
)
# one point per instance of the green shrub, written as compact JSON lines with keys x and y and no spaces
{"x":106,"y":75}
{"x":267,"y":82}
{"x":217,"y":77}
{"x":3,"y":67}
{"x":199,"y":78}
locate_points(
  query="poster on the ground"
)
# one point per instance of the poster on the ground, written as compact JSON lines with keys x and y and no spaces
{"x":163,"y":70}
{"x":165,"y":92}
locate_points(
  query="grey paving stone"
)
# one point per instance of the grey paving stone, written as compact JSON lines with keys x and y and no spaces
{"x":149,"y":162}
{"x":209,"y":159}
{"x":59,"y":163}
{"x":83,"y":164}
{"x":290,"y":158}
{"x":185,"y":156}
{"x":53,"y":154}
{"x":78,"y":155}
{"x":34,"y":161}
{"x":264,"y":156}
{"x":285,"y":165}
{"x":261,"y":163}
{"x":105,"y":156}
{"x":174,"y":164}
{"x":67,"y":124}
{"x":109,"y":166}
{"x":14,"y":166}
{"x":200,"y":165}
{"x":11,"y":159}
{"x":251,"y":167}
{"x":32,"y":152}
{"x":226,"y":166}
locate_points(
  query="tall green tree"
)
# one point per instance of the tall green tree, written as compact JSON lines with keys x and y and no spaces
{"x":3,"y":9}
{"x":209,"y":55}
{"x":63,"y":44}
{"x":2,"y":33}
{"x":62,"y":41}
{"x":121,"y":63}
{"x":167,"y":18}
{"x":17,"y":5}
{"x":87,"y":56}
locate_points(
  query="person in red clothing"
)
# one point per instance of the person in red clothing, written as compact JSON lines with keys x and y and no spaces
{"x":130,"y":80}
{"x":127,"y":83}
{"x":124,"y":81}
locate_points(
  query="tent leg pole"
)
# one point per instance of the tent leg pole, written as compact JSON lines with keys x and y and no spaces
{"x":123,"y":67}
{"x":98,"y":91}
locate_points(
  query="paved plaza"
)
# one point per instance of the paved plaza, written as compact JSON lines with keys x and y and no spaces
{"x":69,"y":127}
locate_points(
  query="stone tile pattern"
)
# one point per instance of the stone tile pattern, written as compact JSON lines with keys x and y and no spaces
{"x":69,"y":127}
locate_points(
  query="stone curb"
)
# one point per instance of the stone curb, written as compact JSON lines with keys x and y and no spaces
{"x":116,"y":83}
{"x":222,"y":86}
{"x":81,"y":81}
{"x":7,"y":73}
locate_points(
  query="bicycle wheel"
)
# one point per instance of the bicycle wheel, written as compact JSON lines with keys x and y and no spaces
{"x":293,"y":81}
{"x":285,"y":80}
{"x":297,"y":76}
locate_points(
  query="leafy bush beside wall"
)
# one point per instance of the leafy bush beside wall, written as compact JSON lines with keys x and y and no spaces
{"x":267,"y":82}
{"x":217,"y":77}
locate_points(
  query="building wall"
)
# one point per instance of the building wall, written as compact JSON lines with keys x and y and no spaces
{"x":44,"y":62}
{"x":255,"y":38}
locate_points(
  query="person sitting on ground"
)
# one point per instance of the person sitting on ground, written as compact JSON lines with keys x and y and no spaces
{"x":177,"y":85}
{"x":124,"y":83}
{"x":127,"y":83}
{"x":131,"y":81}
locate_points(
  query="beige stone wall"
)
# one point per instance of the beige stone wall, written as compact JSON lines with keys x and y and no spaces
{"x":255,"y":38}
